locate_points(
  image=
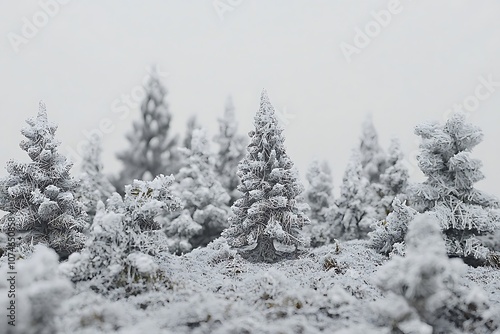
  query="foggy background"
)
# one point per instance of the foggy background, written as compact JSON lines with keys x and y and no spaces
{"x":89,"y":55}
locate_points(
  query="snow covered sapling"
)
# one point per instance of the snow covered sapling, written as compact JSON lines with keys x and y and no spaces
{"x":267,"y":213}
{"x":389,"y":234}
{"x":39,"y":195}
{"x":394,"y":180}
{"x":231,"y":151}
{"x":191,"y":126}
{"x":319,"y":194}
{"x":353,"y":214}
{"x":94,"y":185}
{"x":464,"y":212}
{"x":151,"y":151}
{"x":373,"y":159}
{"x":204,"y":200}
{"x":426,"y":283}
{"x":319,"y":199}
{"x":126,"y":241}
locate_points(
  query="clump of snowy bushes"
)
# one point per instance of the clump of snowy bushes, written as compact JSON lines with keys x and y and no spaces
{"x":426,"y":289}
{"x":126,"y":245}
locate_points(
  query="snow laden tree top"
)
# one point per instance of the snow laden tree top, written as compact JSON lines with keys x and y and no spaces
{"x":231,"y":151}
{"x":267,"y":215}
{"x":191,"y":126}
{"x":94,"y":185}
{"x":39,"y":195}
{"x":151,"y":151}
{"x":373,"y":157}
{"x":319,"y":194}
{"x":394,"y":180}
{"x":463,"y":211}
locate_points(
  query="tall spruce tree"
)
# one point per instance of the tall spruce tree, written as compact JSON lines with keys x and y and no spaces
{"x":39,"y":195}
{"x":151,"y":151}
{"x":464,"y":212}
{"x":267,"y":215}
{"x":231,"y":151}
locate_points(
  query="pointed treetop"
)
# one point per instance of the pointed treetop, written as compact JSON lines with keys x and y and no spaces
{"x":229,"y":109}
{"x":42,"y":111}
{"x":199,"y":141}
{"x":266,"y":114}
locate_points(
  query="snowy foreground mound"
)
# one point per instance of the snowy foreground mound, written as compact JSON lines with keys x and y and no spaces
{"x":332,"y":289}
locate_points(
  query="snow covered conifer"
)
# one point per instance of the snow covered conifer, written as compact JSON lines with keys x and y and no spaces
{"x":39,"y":195}
{"x":126,"y":242}
{"x":192,"y":125}
{"x":267,"y":212}
{"x":231,"y":151}
{"x":394,"y":180}
{"x":94,"y":185}
{"x":151,"y":151}
{"x":203,"y":197}
{"x":373,"y":158}
{"x":319,"y":195}
{"x":353,"y":215}
{"x":426,"y":283}
{"x":391,"y":232}
{"x":464,"y":212}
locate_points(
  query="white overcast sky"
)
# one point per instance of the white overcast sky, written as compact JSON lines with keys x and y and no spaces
{"x":430,"y":56}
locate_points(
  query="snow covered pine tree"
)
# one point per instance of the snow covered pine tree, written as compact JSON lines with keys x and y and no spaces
{"x":353,"y":214}
{"x":39,"y":195}
{"x":204,"y":199}
{"x":464,"y":212}
{"x":319,"y":198}
{"x":231,"y":151}
{"x":373,"y":158}
{"x":94,"y":185}
{"x":394,"y":179}
{"x":151,"y":151}
{"x":267,"y":212}
{"x":191,"y":126}
{"x":319,"y":194}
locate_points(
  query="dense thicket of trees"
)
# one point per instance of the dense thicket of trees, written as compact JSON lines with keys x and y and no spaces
{"x":232,"y":210}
